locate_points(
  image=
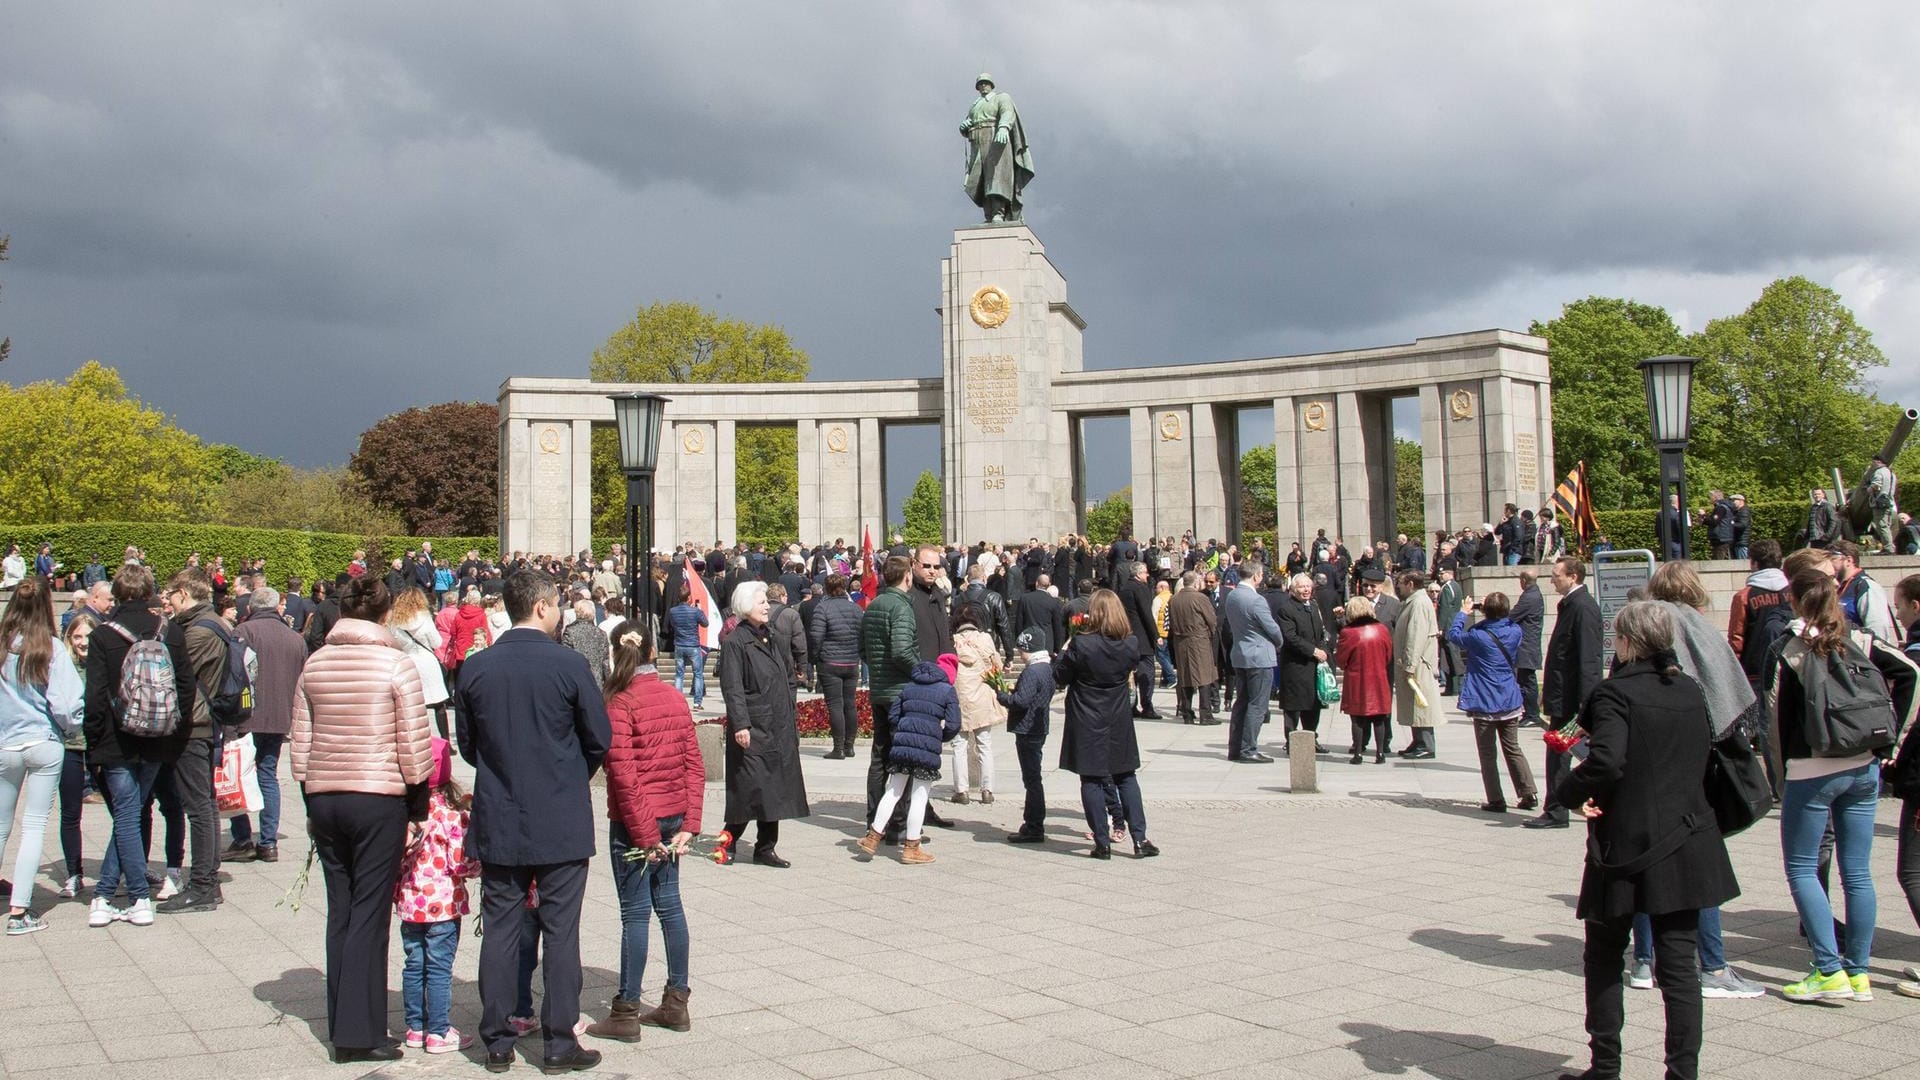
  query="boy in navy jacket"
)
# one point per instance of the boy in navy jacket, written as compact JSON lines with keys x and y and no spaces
{"x":1028,"y":705}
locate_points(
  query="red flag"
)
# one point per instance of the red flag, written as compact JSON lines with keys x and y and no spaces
{"x":869,"y":577}
{"x":699,"y":597}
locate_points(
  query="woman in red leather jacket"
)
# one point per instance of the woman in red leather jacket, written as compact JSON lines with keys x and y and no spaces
{"x":655,"y":784}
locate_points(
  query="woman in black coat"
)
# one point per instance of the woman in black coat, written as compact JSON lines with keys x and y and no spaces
{"x":1652,"y":843}
{"x":1303,"y":645}
{"x":1098,"y":743}
{"x":763,"y":745}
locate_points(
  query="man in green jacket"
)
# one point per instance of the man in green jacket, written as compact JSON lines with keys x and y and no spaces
{"x":890,"y":646}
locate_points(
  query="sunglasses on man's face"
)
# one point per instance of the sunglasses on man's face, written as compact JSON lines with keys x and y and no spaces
{"x":929,"y":566}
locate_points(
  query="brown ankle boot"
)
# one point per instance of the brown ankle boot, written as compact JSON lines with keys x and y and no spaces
{"x":672,"y":1011}
{"x":622,"y":1024}
{"x":910,"y":853}
{"x":870,"y":843}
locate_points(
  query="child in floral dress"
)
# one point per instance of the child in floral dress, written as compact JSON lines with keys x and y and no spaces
{"x":432,"y":898}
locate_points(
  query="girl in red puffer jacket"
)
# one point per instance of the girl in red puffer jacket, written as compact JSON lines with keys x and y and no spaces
{"x":655,"y":784}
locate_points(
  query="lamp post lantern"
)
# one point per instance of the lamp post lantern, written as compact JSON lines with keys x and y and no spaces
{"x":638,"y":416}
{"x":1669,"y":406}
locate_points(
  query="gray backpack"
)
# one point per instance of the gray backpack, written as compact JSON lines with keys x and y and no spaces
{"x":1848,"y":708}
{"x":147,"y":701}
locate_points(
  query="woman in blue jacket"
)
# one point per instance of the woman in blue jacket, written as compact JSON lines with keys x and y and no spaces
{"x":1491,"y":696}
{"x":926,"y":716}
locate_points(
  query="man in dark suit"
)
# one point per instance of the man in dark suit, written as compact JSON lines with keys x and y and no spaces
{"x":1037,"y":607}
{"x":1529,"y":613}
{"x":1573,"y":669}
{"x":1136,"y":596}
{"x":533,"y":725}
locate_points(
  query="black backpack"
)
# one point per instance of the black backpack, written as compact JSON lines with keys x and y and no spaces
{"x":1848,"y":710}
{"x":1768,"y":618}
{"x":231,"y":702}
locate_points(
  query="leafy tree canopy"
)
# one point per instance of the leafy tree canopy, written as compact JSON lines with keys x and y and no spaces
{"x":924,"y":511}
{"x":1599,"y":396}
{"x":437,"y":468}
{"x":1115,"y":512}
{"x":84,"y":450}
{"x":679,"y":342}
{"x":329,"y":500}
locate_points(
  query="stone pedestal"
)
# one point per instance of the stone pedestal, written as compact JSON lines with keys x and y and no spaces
{"x":1006,"y":332}
{"x":713,"y":750}
{"x":1303,"y":764}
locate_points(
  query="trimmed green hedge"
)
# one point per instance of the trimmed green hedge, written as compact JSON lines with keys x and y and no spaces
{"x":167,"y":544}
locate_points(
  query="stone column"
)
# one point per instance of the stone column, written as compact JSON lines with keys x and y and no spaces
{"x":1215,"y":475}
{"x":873,"y":509}
{"x":1433,"y":462}
{"x":836,"y":465}
{"x":1355,"y":473}
{"x":695,"y":486}
{"x":807,"y":434}
{"x":1140,"y":457}
{"x":1465,"y":455}
{"x":1066,"y":515}
{"x":1549,"y":471}
{"x":1171,"y":438}
{"x":1497,"y":431}
{"x":550,"y":488}
{"x":582,"y":485}
{"x":1319,"y":465}
{"x":1006,"y":330}
{"x":666,"y":524}
{"x":516,"y":476}
{"x":1286,"y":473}
{"x":725,"y":518}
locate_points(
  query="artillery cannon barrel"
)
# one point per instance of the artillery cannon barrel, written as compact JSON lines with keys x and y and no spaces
{"x":1898,"y":440}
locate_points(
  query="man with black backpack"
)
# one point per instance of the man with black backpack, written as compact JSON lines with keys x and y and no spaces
{"x":188,"y":598}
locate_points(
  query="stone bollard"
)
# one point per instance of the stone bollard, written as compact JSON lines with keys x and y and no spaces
{"x":1303,"y":763}
{"x":713,"y":754}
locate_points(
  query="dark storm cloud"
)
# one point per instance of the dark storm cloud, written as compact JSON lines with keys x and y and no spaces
{"x":393,"y":204}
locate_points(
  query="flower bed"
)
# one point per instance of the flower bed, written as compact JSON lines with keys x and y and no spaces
{"x":813,"y":717}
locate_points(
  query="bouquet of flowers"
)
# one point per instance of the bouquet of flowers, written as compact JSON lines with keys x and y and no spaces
{"x":1565,"y":739}
{"x":298,"y":892}
{"x":1078,"y":621}
{"x":997,"y":678}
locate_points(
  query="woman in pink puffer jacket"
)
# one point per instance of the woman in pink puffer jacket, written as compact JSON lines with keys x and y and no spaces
{"x":362,"y":753}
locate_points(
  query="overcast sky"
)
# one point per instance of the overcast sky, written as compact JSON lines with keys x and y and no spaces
{"x":282,"y":222}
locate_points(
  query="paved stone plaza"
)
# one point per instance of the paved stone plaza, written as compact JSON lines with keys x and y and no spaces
{"x":1384,"y":927}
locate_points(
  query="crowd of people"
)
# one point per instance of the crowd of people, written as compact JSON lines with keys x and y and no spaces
{"x":533,"y":672}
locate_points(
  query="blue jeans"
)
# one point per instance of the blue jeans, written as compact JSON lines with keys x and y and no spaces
{"x":1848,"y":800}
{"x":266,"y":752}
{"x":1713,"y":949}
{"x":529,"y":959}
{"x":1251,"y":687}
{"x":696,"y":659}
{"x":127,"y":788}
{"x":1167,"y":674}
{"x":426,"y":984}
{"x":648,"y":888}
{"x":1511,"y":558}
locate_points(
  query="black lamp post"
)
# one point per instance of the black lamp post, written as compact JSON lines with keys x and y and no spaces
{"x":1669,"y":403}
{"x":638,"y":416}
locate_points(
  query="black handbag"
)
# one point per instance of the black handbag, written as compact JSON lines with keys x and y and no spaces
{"x":1736,"y":785}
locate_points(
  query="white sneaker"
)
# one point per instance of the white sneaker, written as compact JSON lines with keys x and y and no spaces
{"x":102,"y":913}
{"x":1641,"y":976}
{"x":169,"y":889}
{"x":70,"y":888}
{"x":141,"y":913}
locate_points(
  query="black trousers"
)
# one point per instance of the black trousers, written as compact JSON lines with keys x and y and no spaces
{"x":1303,"y":718}
{"x":1556,"y":764}
{"x":193,"y":779}
{"x":1529,"y":695}
{"x":1143,"y":675}
{"x":1676,"y":970}
{"x":503,"y":899}
{"x":1029,"y":749}
{"x":1379,"y":725}
{"x":839,"y":682}
{"x":766,"y":834}
{"x":359,"y":839}
{"x":877,"y":760}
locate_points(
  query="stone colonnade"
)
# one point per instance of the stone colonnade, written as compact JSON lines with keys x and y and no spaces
{"x":1011,"y":402}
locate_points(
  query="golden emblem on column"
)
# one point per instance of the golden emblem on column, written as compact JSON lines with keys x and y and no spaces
{"x":1170,"y":427}
{"x":836,"y":440}
{"x":550,"y":440}
{"x":1460,"y":404}
{"x":990,"y":306}
{"x":1315,"y":416}
{"x":694,"y":441}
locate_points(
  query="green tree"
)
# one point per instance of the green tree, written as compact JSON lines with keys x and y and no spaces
{"x":1782,"y":393}
{"x":231,"y":461}
{"x":84,"y":450}
{"x":1599,"y":396}
{"x":438,"y":468}
{"x":924,"y":511}
{"x":679,"y":342}
{"x":329,"y":499}
{"x":1110,"y":515}
{"x":1257,"y":494}
{"x":1410,"y":489}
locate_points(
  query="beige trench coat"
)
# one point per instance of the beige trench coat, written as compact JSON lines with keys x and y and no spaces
{"x":1416,"y":660}
{"x":979,"y":707}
